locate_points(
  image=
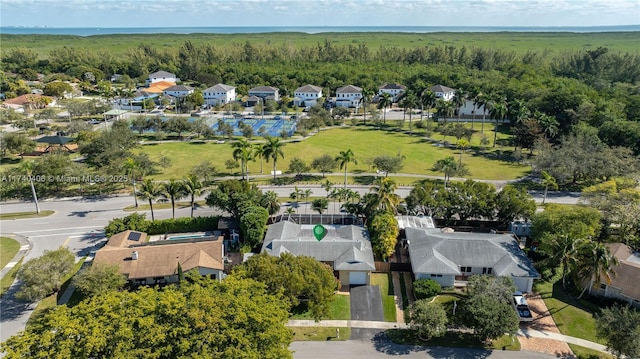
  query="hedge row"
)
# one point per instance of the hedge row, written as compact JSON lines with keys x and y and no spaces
{"x":138,"y":222}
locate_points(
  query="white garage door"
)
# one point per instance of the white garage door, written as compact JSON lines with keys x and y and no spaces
{"x":522,"y":283}
{"x":357,"y":278}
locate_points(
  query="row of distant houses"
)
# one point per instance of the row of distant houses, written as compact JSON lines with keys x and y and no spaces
{"x":307,"y":95}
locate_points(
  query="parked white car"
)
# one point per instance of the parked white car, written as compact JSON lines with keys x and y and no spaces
{"x":522,"y":308}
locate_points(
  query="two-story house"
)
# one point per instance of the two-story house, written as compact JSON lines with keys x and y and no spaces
{"x":219,"y":94}
{"x":443,"y":92}
{"x":178,"y":91}
{"x":266,"y":93}
{"x":395,"y":90}
{"x":348,"y":96}
{"x":161,"y":76}
{"x":307,"y":95}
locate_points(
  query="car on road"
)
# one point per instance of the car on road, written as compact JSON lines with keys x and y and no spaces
{"x":521,"y":306}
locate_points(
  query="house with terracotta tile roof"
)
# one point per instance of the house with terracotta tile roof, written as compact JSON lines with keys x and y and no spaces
{"x":624,"y":284}
{"x":150,"y":263}
{"x":29,"y":102}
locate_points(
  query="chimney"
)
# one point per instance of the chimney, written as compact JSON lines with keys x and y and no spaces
{"x":134,"y":255}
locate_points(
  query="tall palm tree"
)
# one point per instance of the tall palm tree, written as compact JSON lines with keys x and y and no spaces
{"x":296,"y":195}
{"x":548,"y":181}
{"x":444,"y":109}
{"x":447,"y":166}
{"x":409,"y":102}
{"x":173,"y":190}
{"x":271,"y":202}
{"x":458,"y":101}
{"x":385,"y":101}
{"x":385,"y":195}
{"x":562,"y":251}
{"x":483,"y":101}
{"x":193,"y":187}
{"x":366,"y":98}
{"x":271,"y":150}
{"x":549,"y":124}
{"x":595,"y":263}
{"x":258,"y":153}
{"x":428,"y":100}
{"x":462,"y":144}
{"x":243,"y":151}
{"x":474,"y":95}
{"x":133,"y":168}
{"x":320,"y":205}
{"x":498,"y":112}
{"x":27,"y":168}
{"x":149,"y":190}
{"x":344,"y":158}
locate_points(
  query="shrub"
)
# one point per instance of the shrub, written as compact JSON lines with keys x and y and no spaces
{"x":425,"y":288}
{"x":138,"y":222}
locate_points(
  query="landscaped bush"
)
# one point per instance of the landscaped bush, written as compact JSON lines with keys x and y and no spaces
{"x":425,"y":288}
{"x":138,"y":222}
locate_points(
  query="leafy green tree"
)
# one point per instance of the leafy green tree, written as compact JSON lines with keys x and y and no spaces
{"x":134,"y":221}
{"x":173,"y":190}
{"x":425,"y":288}
{"x":384,"y":231}
{"x":42,"y":276}
{"x":193,"y":187}
{"x":150,"y":190}
{"x":56,"y":88}
{"x":299,"y":278}
{"x":619,"y":326}
{"x":470,"y":199}
{"x":575,"y":221}
{"x":99,"y":279}
{"x":429,"y":320}
{"x":297,"y":166}
{"x":201,"y":320}
{"x":234,"y":197}
{"x":501,"y":288}
{"x":272,"y":150}
{"x":177,"y":125}
{"x":343,"y":159}
{"x":111,"y":146}
{"x":513,"y":203}
{"x":388,"y":164}
{"x":253,"y":225}
{"x":490,"y":317}
{"x":15,"y":142}
{"x":324,"y":164}
{"x":449,"y":167}
{"x":427,"y":198}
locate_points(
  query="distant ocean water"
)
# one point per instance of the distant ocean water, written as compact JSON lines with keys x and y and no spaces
{"x":88,"y":31}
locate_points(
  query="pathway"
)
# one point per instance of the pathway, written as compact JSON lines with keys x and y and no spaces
{"x":25,"y":246}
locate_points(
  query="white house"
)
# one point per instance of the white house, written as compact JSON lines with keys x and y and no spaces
{"x":219,"y":94}
{"x":346,"y":248}
{"x":451,"y":257}
{"x":307,"y":95}
{"x":348,"y":96}
{"x":178,"y":91}
{"x":161,"y":76}
{"x":265,"y":93}
{"x":395,"y":90}
{"x":443,"y":92}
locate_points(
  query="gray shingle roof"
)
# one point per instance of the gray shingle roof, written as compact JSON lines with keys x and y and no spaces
{"x":178,"y":88}
{"x":347,"y":246}
{"x":440,"y":88}
{"x":263,"y":89}
{"x":433,"y":251}
{"x":159,"y":74}
{"x":392,"y":87}
{"x":219,"y":88}
{"x":349,"y":89}
{"x":309,"y":89}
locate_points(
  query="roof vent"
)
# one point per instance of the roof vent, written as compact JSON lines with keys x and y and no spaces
{"x":134,"y":255}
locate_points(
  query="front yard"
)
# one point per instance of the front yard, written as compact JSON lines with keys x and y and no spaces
{"x":339,"y":309}
{"x":383,"y":280}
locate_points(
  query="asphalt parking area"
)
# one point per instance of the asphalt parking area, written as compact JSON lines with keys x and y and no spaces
{"x":366,"y":303}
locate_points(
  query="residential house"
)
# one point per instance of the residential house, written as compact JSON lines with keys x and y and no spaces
{"x":158,"y":87}
{"x":307,"y":95}
{"x":624,"y":285}
{"x":161,"y":76}
{"x":346,"y":248}
{"x":395,"y":90}
{"x":450,"y":258}
{"x":219,"y":94}
{"x":266,"y":93}
{"x":348,"y":96}
{"x":29,"y":102}
{"x":443,"y":92}
{"x":178,"y":91}
{"x":148,"y":263}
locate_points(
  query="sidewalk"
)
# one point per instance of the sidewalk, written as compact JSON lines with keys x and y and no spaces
{"x":533,"y":333}
{"x":25,"y":247}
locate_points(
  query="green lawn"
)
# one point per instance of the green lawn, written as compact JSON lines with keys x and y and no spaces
{"x":339,"y":309}
{"x":366,"y":143}
{"x":21,"y":215}
{"x":573,"y":318}
{"x":8,"y":278}
{"x":8,"y":249}
{"x":453,"y":339}
{"x":586,"y":353}
{"x":320,"y":334}
{"x":383,"y":280}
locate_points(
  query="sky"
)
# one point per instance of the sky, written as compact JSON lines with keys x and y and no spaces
{"x":283,"y":13}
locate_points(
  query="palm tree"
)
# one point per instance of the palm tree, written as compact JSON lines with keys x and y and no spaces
{"x":386,"y":198}
{"x":149,"y":190}
{"x":549,"y":124}
{"x":132,"y":167}
{"x":444,"y":109}
{"x":243,"y":151}
{"x":409,"y":101}
{"x":193,"y":187}
{"x":483,"y":100}
{"x":271,"y":202}
{"x":458,"y":100}
{"x":385,"y":101}
{"x":474,"y":95}
{"x":447,"y":166}
{"x":595,"y":263}
{"x":296,"y":195}
{"x":428,"y":100}
{"x":320,"y":205}
{"x":562,"y":251}
{"x":173,"y":190}
{"x":327,"y":185}
{"x":344,"y":158}
{"x":271,"y":150}
{"x":548,"y":181}
{"x":463,"y":144}
{"x":498,"y":112}
{"x":258,"y":153}
{"x":27,"y":168}
{"x":366,"y":98}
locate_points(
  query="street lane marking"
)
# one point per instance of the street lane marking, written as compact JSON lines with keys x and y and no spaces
{"x":57,"y":229}
{"x":66,"y":242}
{"x":10,"y":265}
{"x":80,"y":234}
{"x":25,"y":247}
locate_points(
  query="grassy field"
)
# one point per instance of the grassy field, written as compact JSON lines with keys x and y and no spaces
{"x":8,"y":278}
{"x":339,"y":309}
{"x":8,"y":248}
{"x":519,"y":42}
{"x":365,"y":142}
{"x":320,"y":334}
{"x":383,"y":280}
